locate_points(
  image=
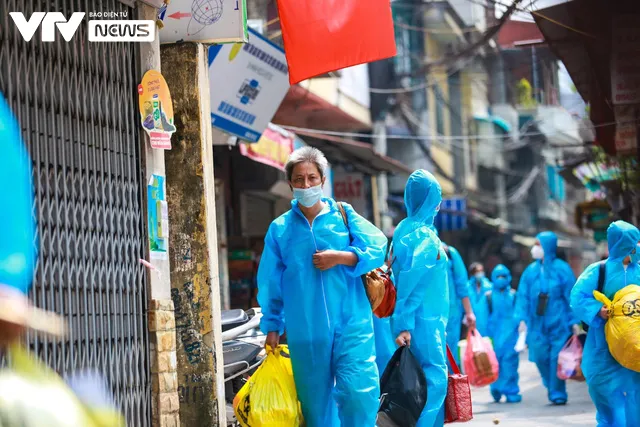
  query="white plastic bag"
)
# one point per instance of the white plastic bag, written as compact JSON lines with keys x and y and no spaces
{"x":521,"y":344}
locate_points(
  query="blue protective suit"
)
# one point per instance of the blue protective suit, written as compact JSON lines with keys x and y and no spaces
{"x":17,"y":227}
{"x":479,"y":302}
{"x":422,"y":303}
{"x":385,"y":340}
{"x":503,"y":330}
{"x":458,"y":289}
{"x":548,"y":333}
{"x":609,"y":381}
{"x":328,"y":317}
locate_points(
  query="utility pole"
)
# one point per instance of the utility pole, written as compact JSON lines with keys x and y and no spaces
{"x":380,"y":147}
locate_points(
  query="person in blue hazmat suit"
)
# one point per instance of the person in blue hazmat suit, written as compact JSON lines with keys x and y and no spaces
{"x":502,"y":328}
{"x":309,"y":284}
{"x":384,"y":342}
{"x":422,"y":306}
{"x":542,"y":304}
{"x":459,"y":301}
{"x":614,"y":389}
{"x":479,"y":285}
{"x":17,"y":226}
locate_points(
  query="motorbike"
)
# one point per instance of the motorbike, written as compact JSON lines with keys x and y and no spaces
{"x":243,"y":352}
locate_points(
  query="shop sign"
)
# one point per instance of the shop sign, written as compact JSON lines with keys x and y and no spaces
{"x":204,"y":21}
{"x":625,"y":60}
{"x":452,"y":215}
{"x":273,"y":148}
{"x":156,"y":109}
{"x":350,"y":187}
{"x":627,"y":128}
{"x":247,"y":83}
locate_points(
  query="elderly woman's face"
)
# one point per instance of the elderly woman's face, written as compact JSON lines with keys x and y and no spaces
{"x":306,"y":175}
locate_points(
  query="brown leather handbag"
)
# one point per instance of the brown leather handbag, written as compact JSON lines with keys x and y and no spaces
{"x":377,"y":283}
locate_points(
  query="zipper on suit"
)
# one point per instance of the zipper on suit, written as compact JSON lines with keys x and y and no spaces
{"x":315,"y":244}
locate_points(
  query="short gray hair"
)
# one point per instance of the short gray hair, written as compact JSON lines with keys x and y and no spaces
{"x":306,"y":155}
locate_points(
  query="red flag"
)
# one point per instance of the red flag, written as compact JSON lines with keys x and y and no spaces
{"x":327,"y":35}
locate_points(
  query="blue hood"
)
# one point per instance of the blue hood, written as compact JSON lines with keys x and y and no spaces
{"x":549,"y":242}
{"x":622,"y":238}
{"x":422,"y":196}
{"x":501,"y":270}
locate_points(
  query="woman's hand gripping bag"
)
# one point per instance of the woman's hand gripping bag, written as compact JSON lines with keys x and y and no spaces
{"x":269,"y":398}
{"x":570,"y":360}
{"x":403,"y":389}
{"x":480,"y":361}
{"x":622,"y":330}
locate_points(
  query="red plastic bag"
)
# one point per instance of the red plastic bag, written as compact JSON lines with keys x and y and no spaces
{"x":457,"y":405}
{"x":480,"y":361}
{"x":570,"y":360}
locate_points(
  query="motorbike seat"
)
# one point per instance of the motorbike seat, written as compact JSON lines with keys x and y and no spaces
{"x":233,"y":318}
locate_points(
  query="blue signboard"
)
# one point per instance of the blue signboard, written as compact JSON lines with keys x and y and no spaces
{"x":453,"y":214}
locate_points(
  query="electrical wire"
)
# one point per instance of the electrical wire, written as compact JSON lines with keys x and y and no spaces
{"x":443,"y":137}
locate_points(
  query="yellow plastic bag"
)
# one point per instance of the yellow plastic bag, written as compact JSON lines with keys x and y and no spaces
{"x":269,"y":398}
{"x":622,"y":330}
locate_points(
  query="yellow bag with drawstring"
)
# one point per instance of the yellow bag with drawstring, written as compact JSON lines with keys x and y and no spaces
{"x":269,"y":398}
{"x":622,"y":330}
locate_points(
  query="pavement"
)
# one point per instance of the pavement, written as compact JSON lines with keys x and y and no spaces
{"x":534,"y":410}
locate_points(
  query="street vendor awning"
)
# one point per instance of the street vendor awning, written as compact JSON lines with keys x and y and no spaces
{"x":359,"y":154}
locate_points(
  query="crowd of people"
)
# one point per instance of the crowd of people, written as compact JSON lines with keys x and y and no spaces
{"x":309,"y":285}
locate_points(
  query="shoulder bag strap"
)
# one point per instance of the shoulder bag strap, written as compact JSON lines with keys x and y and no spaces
{"x":602,"y":275}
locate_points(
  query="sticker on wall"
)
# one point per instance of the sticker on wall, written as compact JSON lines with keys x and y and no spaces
{"x":156,"y":109}
{"x":157,"y":217}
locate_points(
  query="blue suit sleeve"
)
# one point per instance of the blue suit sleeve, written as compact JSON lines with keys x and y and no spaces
{"x":367,"y":242}
{"x":412,"y":285}
{"x":583,"y":304}
{"x":270,"y":274}
{"x":17,"y":226}
{"x":569,"y":280}
{"x":523,"y":297}
{"x":460,"y":276}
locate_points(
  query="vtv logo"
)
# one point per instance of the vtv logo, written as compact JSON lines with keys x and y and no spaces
{"x":49,"y":21}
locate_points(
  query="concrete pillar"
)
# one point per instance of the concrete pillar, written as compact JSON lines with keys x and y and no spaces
{"x":382,"y":187}
{"x":193,"y":239}
{"x":162,"y":333}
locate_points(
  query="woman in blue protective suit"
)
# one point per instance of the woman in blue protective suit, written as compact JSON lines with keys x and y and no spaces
{"x":614,"y":389}
{"x":502,"y":327}
{"x":422,"y":305}
{"x":309,"y":283}
{"x":460,"y":308}
{"x":479,"y":285}
{"x":542,"y":303}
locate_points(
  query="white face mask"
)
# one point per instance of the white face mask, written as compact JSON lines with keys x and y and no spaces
{"x":537,"y":252}
{"x":308,"y":197}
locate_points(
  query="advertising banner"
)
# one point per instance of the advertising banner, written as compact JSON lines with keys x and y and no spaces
{"x":247,"y":82}
{"x":273,"y":148}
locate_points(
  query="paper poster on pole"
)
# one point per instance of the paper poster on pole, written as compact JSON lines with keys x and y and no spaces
{"x":156,"y":109}
{"x":157,"y":217}
{"x":204,"y":21}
